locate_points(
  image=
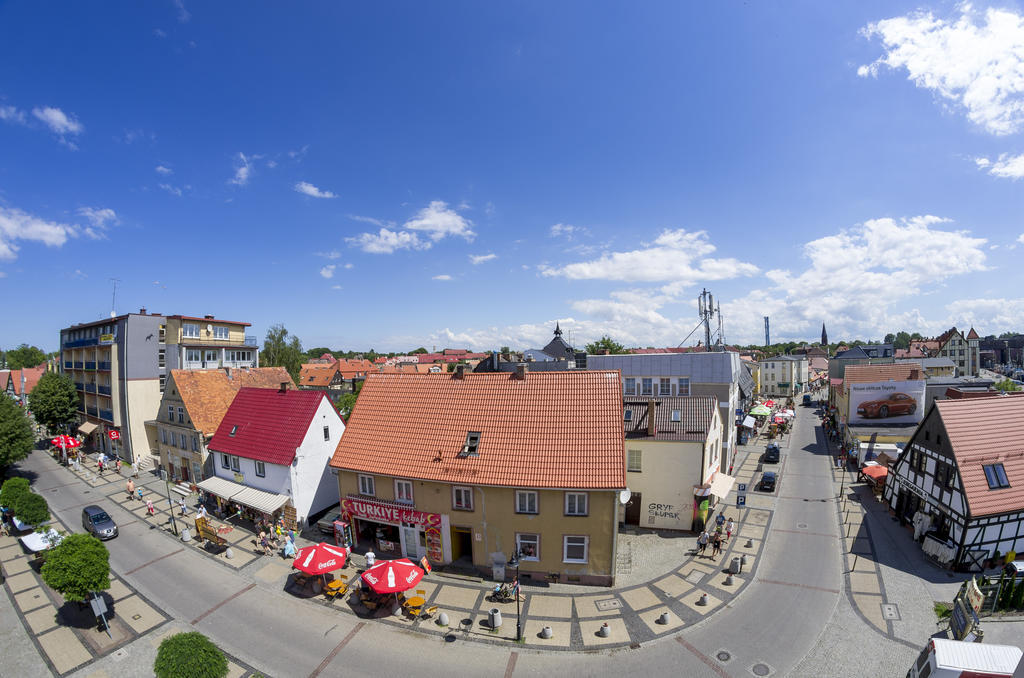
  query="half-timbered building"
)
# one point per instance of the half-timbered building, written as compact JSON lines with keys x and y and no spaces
{"x":960,"y":480}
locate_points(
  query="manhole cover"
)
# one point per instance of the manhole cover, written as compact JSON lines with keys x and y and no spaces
{"x":608,"y":604}
{"x":723,"y":656}
{"x":761,"y":669}
{"x":890,"y":611}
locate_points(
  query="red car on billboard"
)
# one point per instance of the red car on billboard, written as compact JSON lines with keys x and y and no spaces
{"x":893,"y":405}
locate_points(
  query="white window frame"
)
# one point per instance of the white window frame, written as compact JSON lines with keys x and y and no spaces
{"x":221,"y":333}
{"x":367,"y":486}
{"x":639,"y":456}
{"x":466,"y":504}
{"x":533,"y":540}
{"x":400,"y":494}
{"x":677,"y":415}
{"x":190,"y":330}
{"x":225,"y":461}
{"x":664,"y":386}
{"x":236,"y":465}
{"x":526,"y":494}
{"x":261,"y":469}
{"x":573,"y":501}
{"x":327,"y":433}
{"x":683,"y":384}
{"x":184,"y":441}
{"x":629,"y":386}
{"x":193,"y":355}
{"x":565,"y":548}
{"x":181,"y":415}
{"x":170,"y":413}
{"x":646,"y":386}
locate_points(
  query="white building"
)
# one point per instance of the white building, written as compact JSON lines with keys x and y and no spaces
{"x":272,"y":450}
{"x":783,"y":376}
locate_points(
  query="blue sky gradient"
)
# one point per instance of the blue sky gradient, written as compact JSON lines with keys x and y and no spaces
{"x":812,"y":162}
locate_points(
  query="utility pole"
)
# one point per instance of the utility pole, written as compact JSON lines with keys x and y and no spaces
{"x":113,"y":297}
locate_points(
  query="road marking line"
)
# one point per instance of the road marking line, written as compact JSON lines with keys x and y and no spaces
{"x":704,"y":658}
{"x":221,"y":604}
{"x":798,"y":586}
{"x":166,"y":555}
{"x":337,"y":648}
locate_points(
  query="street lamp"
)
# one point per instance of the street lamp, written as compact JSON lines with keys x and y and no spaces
{"x":514,"y":562}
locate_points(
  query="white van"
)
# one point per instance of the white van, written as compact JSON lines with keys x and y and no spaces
{"x":954,"y":658}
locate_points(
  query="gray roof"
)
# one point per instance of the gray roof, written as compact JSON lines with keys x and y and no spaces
{"x":702,"y":368}
{"x":929,"y":362}
{"x":746,"y":381}
{"x":696,"y":414}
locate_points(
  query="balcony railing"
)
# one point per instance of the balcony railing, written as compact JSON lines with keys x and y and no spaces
{"x":91,"y":410}
{"x":250,"y":340}
{"x":79,"y":386}
{"x":68,"y":364}
{"x":239,"y":363}
{"x":103,"y":365}
{"x":89,"y":365}
{"x":93,"y":341}
{"x":90,"y":388}
{"x":79,"y":365}
{"x":107,"y":415}
{"x":103,"y":390}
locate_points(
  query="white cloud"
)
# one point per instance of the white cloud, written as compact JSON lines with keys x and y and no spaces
{"x":443,"y":276}
{"x":333,"y":254}
{"x":271,"y":164}
{"x":481,"y":258}
{"x":438,"y":221}
{"x":1020,"y":238}
{"x":312,"y":191}
{"x":183,"y":14}
{"x":16,"y":225}
{"x":567,"y":231}
{"x":335,"y":287}
{"x":348,"y":266}
{"x":58,"y":121}
{"x":675,"y":257}
{"x":243,"y":169}
{"x":328,"y":271}
{"x":173,"y":190}
{"x":160,"y":33}
{"x":160,"y":169}
{"x":100,"y":218}
{"x":298,"y":155}
{"x":371,"y":220}
{"x":989,"y":316}
{"x":12,"y":114}
{"x":387,"y":241}
{"x":1006,"y":166}
{"x":976,"y":62}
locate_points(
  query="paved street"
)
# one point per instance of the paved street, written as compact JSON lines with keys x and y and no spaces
{"x":823,"y":570}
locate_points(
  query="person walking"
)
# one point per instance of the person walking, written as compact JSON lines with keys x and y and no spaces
{"x":99,"y":464}
{"x":729,"y":527}
{"x":131,"y":490}
{"x":371,"y":558}
{"x":118,"y":465}
{"x":201,"y":513}
{"x":138,"y":493}
{"x":702,"y":542}
{"x":716,"y":546}
{"x":183,"y":506}
{"x":149,"y":507}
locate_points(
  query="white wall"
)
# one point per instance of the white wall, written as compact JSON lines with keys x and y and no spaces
{"x":277,"y":480}
{"x":314,"y":486}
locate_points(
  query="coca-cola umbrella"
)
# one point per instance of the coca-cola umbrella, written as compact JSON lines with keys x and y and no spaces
{"x":393,"y":576}
{"x":319,"y":558}
{"x":64,"y":441}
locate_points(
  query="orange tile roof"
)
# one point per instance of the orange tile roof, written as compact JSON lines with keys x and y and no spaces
{"x":317,"y":374}
{"x":867,"y":374}
{"x":207,"y":394}
{"x":986,"y":431}
{"x":31,"y":374}
{"x":973,"y":334}
{"x":549,"y":430}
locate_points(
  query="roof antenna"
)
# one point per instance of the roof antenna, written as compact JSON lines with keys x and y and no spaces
{"x":113,"y":297}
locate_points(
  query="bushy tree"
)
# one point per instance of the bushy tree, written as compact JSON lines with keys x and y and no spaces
{"x":11,"y":490}
{"x":189,"y":655}
{"x":77,"y":566}
{"x":16,"y":438}
{"x":24,"y":356}
{"x":31,"y":509}
{"x":282,"y":350}
{"x":1017,"y":599}
{"x":605,"y":343}
{"x":54,"y":402}
{"x":1007,"y":385}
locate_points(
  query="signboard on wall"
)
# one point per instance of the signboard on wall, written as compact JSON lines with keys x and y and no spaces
{"x":887,"y":402}
{"x":106,"y":339}
{"x":387,"y":513}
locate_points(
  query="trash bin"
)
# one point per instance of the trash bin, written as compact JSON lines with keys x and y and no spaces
{"x":734,"y":566}
{"x":494,"y":617}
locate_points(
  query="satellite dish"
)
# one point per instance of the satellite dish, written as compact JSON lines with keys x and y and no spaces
{"x":624,"y":496}
{"x":209,"y":328}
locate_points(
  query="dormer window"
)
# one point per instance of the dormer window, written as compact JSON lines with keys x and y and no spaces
{"x":472,"y":443}
{"x":995,"y":474}
{"x":234,"y":430}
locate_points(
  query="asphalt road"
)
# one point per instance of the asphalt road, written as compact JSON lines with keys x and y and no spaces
{"x":775,"y":621}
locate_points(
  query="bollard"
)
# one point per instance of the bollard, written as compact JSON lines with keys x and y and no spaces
{"x":703,"y":600}
{"x":743,"y":562}
{"x":442,"y":619}
{"x":185,"y":535}
{"x":665,"y":618}
{"x":728,"y":579}
{"x":749,"y":544}
{"x":228,"y":553}
{"x":546,"y":632}
{"x":734,"y":566}
{"x":604,"y":631}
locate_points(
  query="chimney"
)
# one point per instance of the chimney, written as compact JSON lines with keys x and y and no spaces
{"x":521,"y":372}
{"x":460,"y":372}
{"x":652,"y":425}
{"x":142,"y":311}
{"x":284,"y":386}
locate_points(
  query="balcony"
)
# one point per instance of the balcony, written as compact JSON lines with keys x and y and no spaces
{"x":251,"y":339}
{"x":67,"y":364}
{"x":79,"y":365}
{"x":90,"y":365}
{"x":79,"y":386}
{"x":103,"y":390}
{"x":91,"y":410}
{"x":107,"y":415}
{"x":103,"y":366}
{"x":93,"y":341}
{"x":90,"y":388}
{"x":240,"y":363}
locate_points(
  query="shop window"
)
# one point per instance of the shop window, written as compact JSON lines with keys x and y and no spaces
{"x":366,"y":486}
{"x":574,"y":549}
{"x":529,"y":546}
{"x":526,"y":501}
{"x":629,"y":386}
{"x":224,"y":461}
{"x":575,"y":503}
{"x":462,"y":498}
{"x":261,"y":469}
{"x":634,"y":459}
{"x":403,"y":491}
{"x":235,"y":466}
{"x":995,"y":474}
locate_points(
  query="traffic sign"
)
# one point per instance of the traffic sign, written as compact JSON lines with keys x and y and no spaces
{"x":741,"y":488}
{"x":741,"y":500}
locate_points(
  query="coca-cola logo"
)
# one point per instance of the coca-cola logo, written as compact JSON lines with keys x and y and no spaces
{"x":411,"y":577}
{"x":326,"y":564}
{"x":370,"y":578}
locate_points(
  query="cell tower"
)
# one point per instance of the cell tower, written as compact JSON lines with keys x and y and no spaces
{"x":767,"y":336}
{"x":706,"y":310}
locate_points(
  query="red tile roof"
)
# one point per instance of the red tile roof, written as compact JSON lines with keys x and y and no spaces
{"x":986,"y":431}
{"x":867,"y":374}
{"x":271,"y":424}
{"x":32,"y":375}
{"x":207,"y":394}
{"x":972,"y":334}
{"x":549,"y":430}
{"x":317,"y":374}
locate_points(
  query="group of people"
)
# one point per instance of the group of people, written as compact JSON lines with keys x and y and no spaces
{"x":273,"y":536}
{"x":722,"y":525}
{"x":101,"y":464}
{"x":136,"y":493}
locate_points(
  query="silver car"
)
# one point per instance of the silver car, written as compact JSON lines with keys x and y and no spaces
{"x":97,"y":523}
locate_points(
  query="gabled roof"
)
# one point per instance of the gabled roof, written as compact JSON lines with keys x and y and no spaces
{"x":271,"y":424}
{"x":984,"y":431}
{"x":31,"y":374}
{"x":972,"y":334}
{"x":549,"y":430}
{"x":947,"y":335}
{"x":867,"y":374}
{"x":317,"y":374}
{"x":207,"y":394}
{"x":696,"y":417}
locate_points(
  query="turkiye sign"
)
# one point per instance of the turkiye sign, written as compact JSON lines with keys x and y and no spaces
{"x":385,"y":513}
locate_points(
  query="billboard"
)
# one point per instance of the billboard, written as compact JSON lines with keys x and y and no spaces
{"x":887,"y":402}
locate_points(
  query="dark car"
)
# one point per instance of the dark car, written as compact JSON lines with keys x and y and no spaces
{"x":97,"y":523}
{"x":768,"y":481}
{"x":771,"y":454}
{"x":326,"y":524}
{"x":891,"y":406}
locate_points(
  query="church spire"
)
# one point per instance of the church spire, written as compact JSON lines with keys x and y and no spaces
{"x":824,"y":336}
{"x":558,"y":330}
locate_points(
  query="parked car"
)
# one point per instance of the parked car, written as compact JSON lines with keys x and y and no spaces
{"x":326,"y":524}
{"x":772,"y":453}
{"x":768,"y":479}
{"x":97,"y":523}
{"x":891,"y":406}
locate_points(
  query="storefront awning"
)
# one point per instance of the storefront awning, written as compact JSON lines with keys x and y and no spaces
{"x":876,"y":472}
{"x":225,"y":489}
{"x":88,"y":427}
{"x":264,"y":502}
{"x":721,"y":484}
{"x":749,"y":422}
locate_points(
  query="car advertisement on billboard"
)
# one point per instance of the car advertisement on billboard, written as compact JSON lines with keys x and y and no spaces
{"x":887,"y":402}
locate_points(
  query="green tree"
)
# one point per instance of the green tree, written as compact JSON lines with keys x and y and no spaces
{"x":418,"y":351}
{"x":901,"y":340}
{"x":54,"y":402}
{"x":1007,"y":385}
{"x":31,"y":509}
{"x":605,"y":343}
{"x":504,"y":349}
{"x":24,"y":356}
{"x":77,"y":566}
{"x":11,"y":490}
{"x":314,"y":353}
{"x":347,"y":401}
{"x":889,"y":338}
{"x":189,"y":655}
{"x":282,"y":350}
{"x":16,"y":438}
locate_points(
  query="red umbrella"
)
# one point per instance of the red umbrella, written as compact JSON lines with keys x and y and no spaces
{"x":64,"y":440}
{"x":769,"y":403}
{"x":319,"y":558}
{"x":392,"y":576}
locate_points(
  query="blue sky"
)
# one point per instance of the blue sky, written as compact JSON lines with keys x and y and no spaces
{"x":466,"y":174}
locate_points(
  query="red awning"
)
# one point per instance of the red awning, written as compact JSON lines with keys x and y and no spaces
{"x":392,"y":576}
{"x":877,"y":473}
{"x":320,"y":558}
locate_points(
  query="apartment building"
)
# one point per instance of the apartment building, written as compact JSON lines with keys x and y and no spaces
{"x":207,"y":343}
{"x":783,"y":376}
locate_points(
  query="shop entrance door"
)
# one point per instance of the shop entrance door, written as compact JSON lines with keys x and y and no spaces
{"x":462,"y":543}
{"x":409,"y":541}
{"x":633,"y":509}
